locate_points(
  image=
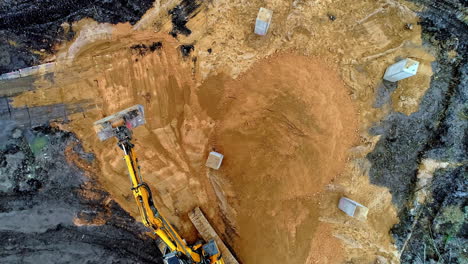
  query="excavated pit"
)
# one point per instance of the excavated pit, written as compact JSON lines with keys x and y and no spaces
{"x":274,"y":125}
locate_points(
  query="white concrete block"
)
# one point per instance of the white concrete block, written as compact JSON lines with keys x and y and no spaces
{"x":214,"y":160}
{"x":353,"y":208}
{"x":10,"y":75}
{"x":263,"y":21}
{"x":29,"y":71}
{"x":401,"y":70}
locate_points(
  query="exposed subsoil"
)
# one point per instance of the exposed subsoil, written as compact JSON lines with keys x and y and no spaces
{"x":51,"y":211}
{"x":293,"y":126}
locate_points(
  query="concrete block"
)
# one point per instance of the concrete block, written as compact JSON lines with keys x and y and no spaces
{"x":214,"y":160}
{"x":401,"y":70}
{"x":353,"y":208}
{"x":10,"y":75}
{"x":29,"y":71}
{"x":263,"y":21}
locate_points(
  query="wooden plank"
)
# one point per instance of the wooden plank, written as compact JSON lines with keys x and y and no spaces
{"x":207,"y":232}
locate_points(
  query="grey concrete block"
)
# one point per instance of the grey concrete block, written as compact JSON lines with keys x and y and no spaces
{"x":263,"y":21}
{"x":401,"y":70}
{"x":353,"y":208}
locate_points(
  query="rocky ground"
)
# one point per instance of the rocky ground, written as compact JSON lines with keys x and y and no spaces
{"x":432,"y":230}
{"x":51,"y":212}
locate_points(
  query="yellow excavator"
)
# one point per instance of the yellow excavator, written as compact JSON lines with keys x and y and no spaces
{"x":120,"y":125}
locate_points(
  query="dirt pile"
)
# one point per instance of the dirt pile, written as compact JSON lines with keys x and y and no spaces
{"x":51,"y":212}
{"x":274,"y":124}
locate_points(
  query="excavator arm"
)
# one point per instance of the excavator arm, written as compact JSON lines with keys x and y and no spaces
{"x":120,"y":125}
{"x":150,"y":215}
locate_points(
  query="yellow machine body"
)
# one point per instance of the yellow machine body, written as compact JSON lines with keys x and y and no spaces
{"x":160,"y":226}
{"x":120,"y":125}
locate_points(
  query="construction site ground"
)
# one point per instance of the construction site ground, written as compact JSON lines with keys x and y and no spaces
{"x":290,"y":112}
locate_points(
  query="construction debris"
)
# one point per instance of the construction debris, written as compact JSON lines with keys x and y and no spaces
{"x":263,"y":21}
{"x":401,"y":70}
{"x":214,"y":160}
{"x":353,"y":208}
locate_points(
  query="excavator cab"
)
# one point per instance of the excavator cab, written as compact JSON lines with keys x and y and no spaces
{"x":211,"y":251}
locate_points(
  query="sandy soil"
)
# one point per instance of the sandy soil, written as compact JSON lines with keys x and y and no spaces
{"x":291,"y":124}
{"x":274,"y":124}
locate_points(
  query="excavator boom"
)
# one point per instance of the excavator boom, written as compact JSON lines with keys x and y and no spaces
{"x":120,"y":125}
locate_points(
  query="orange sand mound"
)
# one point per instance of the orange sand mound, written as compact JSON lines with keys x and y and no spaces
{"x":284,"y":128}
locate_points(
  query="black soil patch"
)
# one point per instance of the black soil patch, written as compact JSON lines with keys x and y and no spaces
{"x":143,"y":49}
{"x":27,"y":26}
{"x":181,"y":15}
{"x":155,"y":46}
{"x":186,"y":50}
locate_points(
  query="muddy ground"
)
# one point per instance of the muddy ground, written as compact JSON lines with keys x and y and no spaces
{"x":51,"y":211}
{"x":320,"y":127}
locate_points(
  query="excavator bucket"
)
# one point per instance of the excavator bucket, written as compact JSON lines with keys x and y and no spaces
{"x":131,"y":117}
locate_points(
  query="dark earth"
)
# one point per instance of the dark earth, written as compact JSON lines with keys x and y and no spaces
{"x":41,"y":196}
{"x":29,"y":30}
{"x":181,"y":14}
{"x":437,"y":231}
